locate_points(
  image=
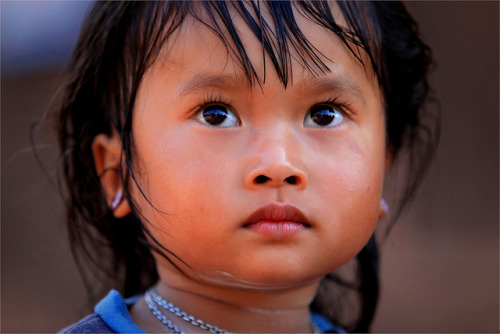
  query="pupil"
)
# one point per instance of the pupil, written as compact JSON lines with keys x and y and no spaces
{"x":215,"y":115}
{"x":322,"y":115}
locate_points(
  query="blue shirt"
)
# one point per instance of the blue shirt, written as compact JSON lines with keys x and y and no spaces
{"x":112,"y":316}
{"x":113,"y":311}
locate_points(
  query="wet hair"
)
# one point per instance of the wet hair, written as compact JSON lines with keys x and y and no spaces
{"x":118,"y":43}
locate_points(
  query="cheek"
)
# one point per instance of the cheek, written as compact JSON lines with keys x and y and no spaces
{"x":350,"y":190}
{"x":185,"y":181}
{"x":188,"y":191}
{"x":351,"y":174}
{"x":183,"y":195}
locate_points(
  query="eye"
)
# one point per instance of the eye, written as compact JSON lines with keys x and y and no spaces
{"x":323,"y":116}
{"x":217,"y":115}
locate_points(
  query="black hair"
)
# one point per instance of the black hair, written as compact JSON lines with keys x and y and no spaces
{"x":118,"y":43}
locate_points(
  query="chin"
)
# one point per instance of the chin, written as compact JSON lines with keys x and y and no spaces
{"x":262,"y":279}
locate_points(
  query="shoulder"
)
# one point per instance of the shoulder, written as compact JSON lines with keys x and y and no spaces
{"x":113,"y":310}
{"x":90,"y":324}
{"x":111,"y":316}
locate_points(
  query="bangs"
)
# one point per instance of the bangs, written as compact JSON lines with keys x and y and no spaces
{"x":275,"y":26}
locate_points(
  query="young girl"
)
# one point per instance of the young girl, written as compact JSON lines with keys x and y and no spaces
{"x":224,"y":159}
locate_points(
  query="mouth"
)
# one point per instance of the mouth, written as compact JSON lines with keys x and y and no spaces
{"x":277,"y":221}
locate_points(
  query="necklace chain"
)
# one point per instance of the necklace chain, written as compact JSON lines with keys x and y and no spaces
{"x":153,"y":299}
{"x":159,"y":315}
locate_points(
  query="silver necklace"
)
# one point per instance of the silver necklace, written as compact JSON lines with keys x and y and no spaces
{"x":153,"y":299}
{"x":159,"y":315}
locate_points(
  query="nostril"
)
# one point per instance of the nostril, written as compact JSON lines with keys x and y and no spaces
{"x":261,"y":179}
{"x":291,"y":180}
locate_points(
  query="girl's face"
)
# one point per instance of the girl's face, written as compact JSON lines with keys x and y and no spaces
{"x":261,"y":187}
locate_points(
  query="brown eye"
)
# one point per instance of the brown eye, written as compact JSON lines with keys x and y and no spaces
{"x":218,"y":115}
{"x":323,"y":116}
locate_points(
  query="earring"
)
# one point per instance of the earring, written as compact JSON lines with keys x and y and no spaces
{"x":384,"y":208}
{"x":117,"y":200}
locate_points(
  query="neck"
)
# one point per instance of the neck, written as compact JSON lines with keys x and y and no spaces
{"x":241,"y":310}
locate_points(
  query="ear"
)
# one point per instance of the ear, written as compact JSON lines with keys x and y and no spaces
{"x":107,"y":152}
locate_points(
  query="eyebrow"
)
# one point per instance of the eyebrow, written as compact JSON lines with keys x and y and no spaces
{"x":343,"y":83}
{"x":208,"y":82}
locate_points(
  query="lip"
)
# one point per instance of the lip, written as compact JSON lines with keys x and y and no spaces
{"x":277,"y":221}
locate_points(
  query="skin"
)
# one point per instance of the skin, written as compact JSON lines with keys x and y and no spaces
{"x":202,"y":179}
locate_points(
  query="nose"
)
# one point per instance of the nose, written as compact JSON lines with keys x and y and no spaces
{"x":276,"y":164}
{"x":276,"y":176}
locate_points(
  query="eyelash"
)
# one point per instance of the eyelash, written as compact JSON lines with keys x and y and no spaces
{"x":344,"y":107}
{"x":212,"y":99}
{"x":217,"y":98}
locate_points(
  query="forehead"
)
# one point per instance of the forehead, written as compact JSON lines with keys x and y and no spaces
{"x":260,"y":46}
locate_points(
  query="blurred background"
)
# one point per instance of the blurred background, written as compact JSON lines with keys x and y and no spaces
{"x":440,"y":265}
